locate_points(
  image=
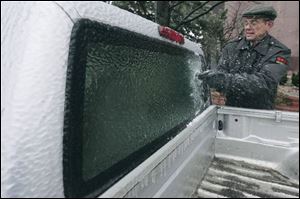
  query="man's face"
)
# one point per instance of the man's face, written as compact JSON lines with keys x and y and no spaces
{"x":256,"y":29}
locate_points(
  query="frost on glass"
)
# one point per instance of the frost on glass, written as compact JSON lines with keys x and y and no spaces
{"x":133,"y":95}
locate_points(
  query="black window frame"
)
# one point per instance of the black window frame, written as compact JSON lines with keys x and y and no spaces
{"x":74,"y":185}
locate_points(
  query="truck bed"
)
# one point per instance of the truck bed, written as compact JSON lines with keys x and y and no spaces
{"x":238,"y":179}
{"x":224,"y":152}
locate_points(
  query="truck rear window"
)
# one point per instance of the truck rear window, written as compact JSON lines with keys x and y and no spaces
{"x":126,"y":96}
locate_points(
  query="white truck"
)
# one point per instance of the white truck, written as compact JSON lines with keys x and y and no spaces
{"x":98,"y":102}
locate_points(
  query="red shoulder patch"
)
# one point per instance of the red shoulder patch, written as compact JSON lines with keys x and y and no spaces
{"x":281,"y":60}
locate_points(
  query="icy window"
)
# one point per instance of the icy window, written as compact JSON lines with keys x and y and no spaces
{"x":127,"y":96}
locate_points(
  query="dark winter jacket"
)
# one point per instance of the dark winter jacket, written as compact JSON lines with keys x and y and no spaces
{"x":251,"y":74}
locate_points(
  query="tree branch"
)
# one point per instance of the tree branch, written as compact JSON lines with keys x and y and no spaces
{"x":228,"y":30}
{"x":176,"y":4}
{"x":200,"y":15}
{"x":199,"y":7}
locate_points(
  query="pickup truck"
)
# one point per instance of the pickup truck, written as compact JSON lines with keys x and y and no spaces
{"x":99,"y":102}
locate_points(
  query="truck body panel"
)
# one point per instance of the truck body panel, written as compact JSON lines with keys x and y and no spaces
{"x":35,"y":47}
{"x":265,"y":161}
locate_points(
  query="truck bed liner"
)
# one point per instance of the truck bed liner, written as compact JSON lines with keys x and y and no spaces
{"x":232,"y":178}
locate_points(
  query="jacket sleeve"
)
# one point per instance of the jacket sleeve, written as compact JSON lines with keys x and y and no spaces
{"x":263,"y":81}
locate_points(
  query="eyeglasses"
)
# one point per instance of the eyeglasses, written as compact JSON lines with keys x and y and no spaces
{"x":252,"y":22}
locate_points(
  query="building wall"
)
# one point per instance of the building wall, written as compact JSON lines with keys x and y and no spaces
{"x":286,"y":26}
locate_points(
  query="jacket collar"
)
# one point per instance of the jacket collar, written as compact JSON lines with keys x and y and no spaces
{"x":261,"y":47}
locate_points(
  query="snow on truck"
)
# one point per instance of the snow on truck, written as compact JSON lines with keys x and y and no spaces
{"x":99,"y":102}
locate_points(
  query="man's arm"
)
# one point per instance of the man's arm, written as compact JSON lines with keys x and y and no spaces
{"x":217,"y":78}
{"x":265,"y":80}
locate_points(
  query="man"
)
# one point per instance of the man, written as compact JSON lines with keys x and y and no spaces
{"x":251,"y":67}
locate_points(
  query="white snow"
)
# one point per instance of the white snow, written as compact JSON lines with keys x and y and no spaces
{"x":115,"y":16}
{"x":35,"y":40}
{"x":34,"y":50}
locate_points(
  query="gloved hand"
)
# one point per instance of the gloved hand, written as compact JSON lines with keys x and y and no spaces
{"x":203,"y":75}
{"x":215,"y":79}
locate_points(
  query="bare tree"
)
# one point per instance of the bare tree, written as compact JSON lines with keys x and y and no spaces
{"x":163,"y":13}
{"x":164,"y":9}
{"x":232,"y":24}
{"x":175,"y":4}
{"x":186,"y":20}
